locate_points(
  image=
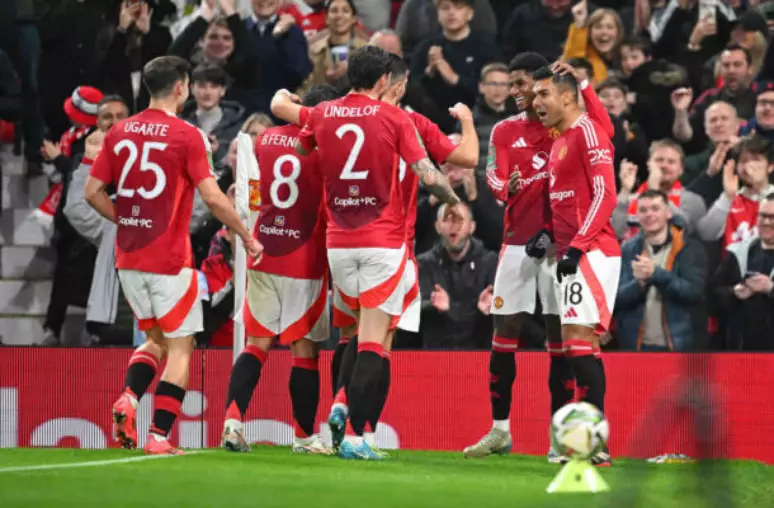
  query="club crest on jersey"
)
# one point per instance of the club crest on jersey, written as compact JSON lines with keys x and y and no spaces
{"x":553,"y":133}
{"x":255,"y":195}
{"x":279,"y":220}
{"x":498,"y":302}
{"x":562,"y":152}
{"x":354,"y":191}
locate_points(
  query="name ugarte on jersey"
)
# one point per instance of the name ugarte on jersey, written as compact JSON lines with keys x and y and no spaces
{"x":335,"y":111}
{"x":279,"y":140}
{"x":146,"y":129}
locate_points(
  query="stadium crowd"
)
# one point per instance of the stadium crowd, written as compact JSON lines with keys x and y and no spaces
{"x":688,"y":85}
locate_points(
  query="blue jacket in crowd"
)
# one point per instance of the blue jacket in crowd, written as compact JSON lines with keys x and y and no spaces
{"x":681,"y":284}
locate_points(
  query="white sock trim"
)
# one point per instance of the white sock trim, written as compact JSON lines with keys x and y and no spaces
{"x":503,"y":425}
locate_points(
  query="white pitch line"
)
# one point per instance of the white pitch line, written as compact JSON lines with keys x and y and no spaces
{"x":69,"y":465}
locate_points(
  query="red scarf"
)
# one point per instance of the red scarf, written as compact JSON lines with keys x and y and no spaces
{"x":675,"y":195}
{"x":71,"y":136}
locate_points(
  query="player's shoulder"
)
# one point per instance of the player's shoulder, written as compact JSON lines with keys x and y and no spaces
{"x":587,"y":131}
{"x":513,"y":123}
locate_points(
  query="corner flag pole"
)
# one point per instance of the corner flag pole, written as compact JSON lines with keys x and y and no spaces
{"x":246,"y":171}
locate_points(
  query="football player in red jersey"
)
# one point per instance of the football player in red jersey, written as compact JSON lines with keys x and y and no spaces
{"x":582,"y":196}
{"x":361,"y":141}
{"x":156,"y":161}
{"x":440,"y":149}
{"x":287,"y":294}
{"x":517,"y":174}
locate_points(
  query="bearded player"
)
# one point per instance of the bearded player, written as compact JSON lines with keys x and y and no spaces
{"x":361,"y":140}
{"x":156,"y":161}
{"x":582,"y":196}
{"x":517,"y":174}
{"x":287,"y":294}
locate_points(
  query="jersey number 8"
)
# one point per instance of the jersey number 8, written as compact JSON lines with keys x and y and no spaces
{"x":290,"y":181}
{"x":145,"y":165}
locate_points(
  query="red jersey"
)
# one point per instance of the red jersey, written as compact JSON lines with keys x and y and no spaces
{"x":439,"y":147}
{"x":524,"y":144}
{"x":309,"y":19}
{"x":291,"y":223}
{"x":360,"y":141}
{"x":582,"y":189}
{"x":742,"y":219}
{"x":156,"y":161}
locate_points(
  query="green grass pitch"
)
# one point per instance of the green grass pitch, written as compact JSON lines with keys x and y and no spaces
{"x":273,"y":477}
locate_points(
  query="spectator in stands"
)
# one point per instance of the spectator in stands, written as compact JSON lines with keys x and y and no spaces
{"x":537,"y":26}
{"x":450,"y":64}
{"x":105,"y":301}
{"x":219,"y":119}
{"x":663,"y":276}
{"x":721,"y":125}
{"x":595,"y":37}
{"x":416,"y":97}
{"x":492,"y":106}
{"x":307,"y":14}
{"x":223,"y":41}
{"x":665,"y":166}
{"x":10,"y":91}
{"x":255,"y":124}
{"x":737,"y":90}
{"x":138,"y":39}
{"x":733,"y":215}
{"x":680,"y":35}
{"x":751,"y":32}
{"x":74,"y":38}
{"x":455,"y":280}
{"x":633,"y":52}
{"x":650,"y":83}
{"x":629,"y":140}
{"x":418,"y":20}
{"x":472,"y":189}
{"x":763,"y":121}
{"x":741,"y":289}
{"x":282,"y":52}
{"x":329,"y":51}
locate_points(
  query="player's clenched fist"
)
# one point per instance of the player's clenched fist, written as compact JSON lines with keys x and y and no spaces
{"x":461,"y":112}
{"x":254,"y":249}
{"x":93,"y":144}
{"x":537,"y":245}
{"x":515,"y":182}
{"x":568,"y":265}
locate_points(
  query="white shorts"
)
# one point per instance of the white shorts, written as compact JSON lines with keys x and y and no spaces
{"x":371,"y":278}
{"x":291,"y":308}
{"x":170,"y":302}
{"x":517,"y":280}
{"x":588,"y":297}
{"x":412,"y":301}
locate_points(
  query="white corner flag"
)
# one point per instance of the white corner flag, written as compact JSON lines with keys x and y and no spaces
{"x":248,"y":201}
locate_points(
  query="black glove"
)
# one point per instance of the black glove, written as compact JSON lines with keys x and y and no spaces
{"x":537,"y":245}
{"x":568,"y":265}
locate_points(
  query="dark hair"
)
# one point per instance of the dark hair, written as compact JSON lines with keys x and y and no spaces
{"x":612,"y":83}
{"x":769,"y":197}
{"x":638,"y":42}
{"x":654,"y":194}
{"x":210,"y":73}
{"x":112,"y":98}
{"x":398,"y":68}
{"x":758,"y":145}
{"x":467,"y":3}
{"x":161,"y":74}
{"x":350,"y":2}
{"x":320,"y":93}
{"x":737,"y":47}
{"x":566,"y":81}
{"x":527,"y":62}
{"x":366,"y":66}
{"x":582,"y":63}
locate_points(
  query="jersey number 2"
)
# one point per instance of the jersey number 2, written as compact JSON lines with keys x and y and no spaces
{"x":347,"y":173}
{"x":145,"y":165}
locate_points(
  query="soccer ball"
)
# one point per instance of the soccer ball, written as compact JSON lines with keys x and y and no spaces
{"x":579,"y":430}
